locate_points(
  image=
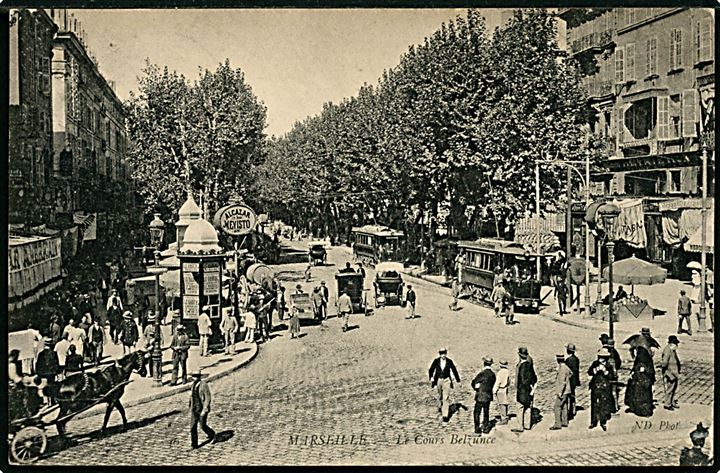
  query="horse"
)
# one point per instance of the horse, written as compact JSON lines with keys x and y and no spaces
{"x":79,"y":390}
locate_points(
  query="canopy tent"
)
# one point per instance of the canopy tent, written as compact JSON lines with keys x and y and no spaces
{"x":636,"y":271}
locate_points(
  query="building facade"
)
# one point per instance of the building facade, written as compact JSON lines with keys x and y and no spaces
{"x":649,"y":77}
{"x":31,"y":193}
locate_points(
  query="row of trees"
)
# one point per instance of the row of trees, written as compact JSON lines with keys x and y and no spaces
{"x":203,"y":137}
{"x":451,"y":133}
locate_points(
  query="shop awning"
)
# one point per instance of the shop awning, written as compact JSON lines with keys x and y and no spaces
{"x":34,"y":268}
{"x":694,"y":243}
{"x":678,"y":204}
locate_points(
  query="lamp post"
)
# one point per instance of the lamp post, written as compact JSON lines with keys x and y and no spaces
{"x":157,"y":232}
{"x":702,"y":315}
{"x":609,"y":213}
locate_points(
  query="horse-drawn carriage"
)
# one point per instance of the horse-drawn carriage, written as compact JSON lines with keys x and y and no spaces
{"x":303,"y":303}
{"x":353,"y":284}
{"x":388,"y":284}
{"x":318,"y":252}
{"x":75,"y":394}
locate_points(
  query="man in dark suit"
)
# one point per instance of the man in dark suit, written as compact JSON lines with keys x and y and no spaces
{"x":525,"y":381}
{"x":199,"y":409}
{"x":573,"y":363}
{"x":326,"y":297}
{"x":441,"y":373}
{"x":483,"y":385}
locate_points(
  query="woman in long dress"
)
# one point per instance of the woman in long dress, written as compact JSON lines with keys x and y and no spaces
{"x":638,"y":394}
{"x":602,"y":400}
{"x":294,"y":322}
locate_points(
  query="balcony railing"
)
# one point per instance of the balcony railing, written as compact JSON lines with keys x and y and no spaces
{"x":597,"y":88}
{"x":598,"y":40}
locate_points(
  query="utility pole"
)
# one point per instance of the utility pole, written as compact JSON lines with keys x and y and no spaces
{"x":587,"y":237}
{"x":538,"y":265}
{"x":568,"y":230}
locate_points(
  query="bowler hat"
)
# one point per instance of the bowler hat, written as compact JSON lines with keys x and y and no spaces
{"x":442,"y":350}
{"x":503,"y":363}
{"x":570,"y":347}
{"x":487,"y":360}
{"x":673,"y":339}
{"x":645,"y":331}
{"x":523,"y":352}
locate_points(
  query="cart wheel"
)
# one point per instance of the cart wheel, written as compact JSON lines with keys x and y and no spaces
{"x":28,"y":445}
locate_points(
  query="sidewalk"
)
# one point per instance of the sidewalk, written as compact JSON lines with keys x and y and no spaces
{"x":662,"y":297}
{"x":141,"y":390}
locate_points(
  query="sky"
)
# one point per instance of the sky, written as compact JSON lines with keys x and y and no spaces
{"x":294,"y":60}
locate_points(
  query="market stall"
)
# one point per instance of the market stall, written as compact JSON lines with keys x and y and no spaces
{"x":632,"y":271}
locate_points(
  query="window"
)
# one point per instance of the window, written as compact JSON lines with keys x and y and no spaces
{"x":629,"y":16}
{"x":620,"y":65}
{"x":674,"y":180}
{"x":675,"y":114}
{"x":629,"y":68}
{"x":663,"y":118}
{"x":690,"y":102}
{"x":651,"y":57}
{"x":640,"y":119}
{"x":675,"y":49}
{"x":704,"y":40}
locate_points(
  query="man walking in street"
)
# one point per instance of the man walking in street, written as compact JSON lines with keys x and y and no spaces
{"x":602,"y":378}
{"x":180,"y":346}
{"x":573,"y":363}
{"x":671,"y":372}
{"x":410,"y":299}
{"x":684,"y":311}
{"x":455,"y":288}
{"x":441,"y":373}
{"x":501,"y":391}
{"x":114,"y":316}
{"x":562,"y":393}
{"x":229,"y":327}
{"x":525,"y":380}
{"x":344,"y":309}
{"x":96,"y":339}
{"x":483,"y":384}
{"x":199,"y":408}
{"x":47,"y":366}
{"x":205,"y":331}
{"x":325,"y":292}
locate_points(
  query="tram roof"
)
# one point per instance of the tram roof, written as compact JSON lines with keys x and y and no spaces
{"x":501,"y":246}
{"x":378,"y":230}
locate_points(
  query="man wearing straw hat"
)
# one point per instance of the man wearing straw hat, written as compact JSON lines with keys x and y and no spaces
{"x":500,"y":390}
{"x":441,"y":373}
{"x":199,"y":408}
{"x":562,"y":393}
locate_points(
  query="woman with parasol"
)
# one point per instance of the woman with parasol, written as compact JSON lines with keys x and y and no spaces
{"x":638,"y":394}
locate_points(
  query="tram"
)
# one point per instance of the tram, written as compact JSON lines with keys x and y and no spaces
{"x":375,"y":243}
{"x":485,"y":260}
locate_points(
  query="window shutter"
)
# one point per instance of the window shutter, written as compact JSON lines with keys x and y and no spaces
{"x":673,"y":57}
{"x":629,"y":69}
{"x":706,"y":40}
{"x":663,"y":117}
{"x":647,"y":58}
{"x":620,"y":65}
{"x":689,"y":112}
{"x":697,"y":42}
{"x":653,"y":56}
{"x":620,"y":126}
{"x":678,"y":48}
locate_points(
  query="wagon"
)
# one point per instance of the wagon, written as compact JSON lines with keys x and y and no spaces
{"x":353,"y":283}
{"x":27,"y":435}
{"x":388,"y":284}
{"x":318,"y":252}
{"x":303,"y":303}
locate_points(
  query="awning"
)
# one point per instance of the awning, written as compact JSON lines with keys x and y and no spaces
{"x":34,"y":268}
{"x":677,"y":204}
{"x":87,"y":224}
{"x":694,"y":243}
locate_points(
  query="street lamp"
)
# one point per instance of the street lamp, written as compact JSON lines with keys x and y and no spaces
{"x":609,"y":213}
{"x":157,"y":231}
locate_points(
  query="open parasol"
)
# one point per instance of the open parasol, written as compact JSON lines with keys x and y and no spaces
{"x":636,"y":271}
{"x":640,"y":340}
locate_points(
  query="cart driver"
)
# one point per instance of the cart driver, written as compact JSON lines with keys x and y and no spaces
{"x":347,"y":268}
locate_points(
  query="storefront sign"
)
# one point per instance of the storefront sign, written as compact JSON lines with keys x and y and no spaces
{"x":32,"y":262}
{"x":236,"y":219}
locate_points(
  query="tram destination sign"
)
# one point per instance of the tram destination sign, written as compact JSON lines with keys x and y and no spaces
{"x":235,"y":219}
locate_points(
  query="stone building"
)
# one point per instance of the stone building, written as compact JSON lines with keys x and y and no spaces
{"x":649,"y":77}
{"x":31,"y":193}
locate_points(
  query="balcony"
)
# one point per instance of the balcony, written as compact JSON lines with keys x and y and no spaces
{"x":597,"y":89}
{"x":593,"y":42}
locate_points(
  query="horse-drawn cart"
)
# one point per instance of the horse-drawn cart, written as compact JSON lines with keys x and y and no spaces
{"x":27,"y":435}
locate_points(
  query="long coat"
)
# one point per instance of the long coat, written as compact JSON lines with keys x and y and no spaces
{"x":525,"y":380}
{"x":638,"y":394}
{"x":602,"y":400}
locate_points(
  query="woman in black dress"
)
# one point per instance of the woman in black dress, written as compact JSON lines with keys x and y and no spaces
{"x":638,"y":394}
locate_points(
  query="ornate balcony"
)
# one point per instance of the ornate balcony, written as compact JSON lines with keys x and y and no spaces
{"x":593,"y":42}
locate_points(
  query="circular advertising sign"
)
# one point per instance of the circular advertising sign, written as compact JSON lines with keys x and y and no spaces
{"x":235,"y":219}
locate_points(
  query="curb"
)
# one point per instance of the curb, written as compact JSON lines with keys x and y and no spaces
{"x":174,"y":390}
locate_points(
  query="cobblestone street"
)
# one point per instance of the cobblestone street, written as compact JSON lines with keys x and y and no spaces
{"x":294,"y":403}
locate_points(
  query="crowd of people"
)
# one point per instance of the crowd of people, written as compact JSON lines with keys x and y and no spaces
{"x":602,"y":379}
